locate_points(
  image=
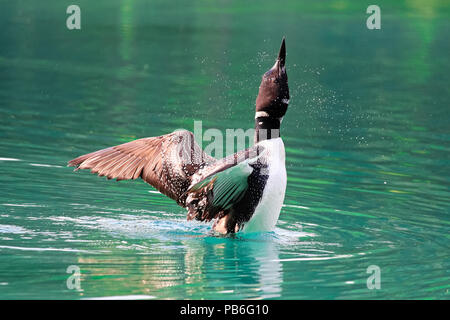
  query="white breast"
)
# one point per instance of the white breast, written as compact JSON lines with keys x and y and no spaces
{"x":268,"y":210}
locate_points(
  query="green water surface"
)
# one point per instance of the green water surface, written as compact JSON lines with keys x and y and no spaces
{"x":366,"y":135}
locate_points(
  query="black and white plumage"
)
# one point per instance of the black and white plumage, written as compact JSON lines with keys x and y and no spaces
{"x":242,"y":192}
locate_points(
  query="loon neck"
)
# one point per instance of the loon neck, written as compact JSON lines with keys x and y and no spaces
{"x":266,"y":127}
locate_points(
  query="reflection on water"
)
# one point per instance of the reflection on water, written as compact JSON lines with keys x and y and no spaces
{"x":366,"y":138}
{"x":251,"y":264}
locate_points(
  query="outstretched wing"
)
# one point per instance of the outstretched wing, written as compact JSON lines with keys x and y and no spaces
{"x":166,"y":162}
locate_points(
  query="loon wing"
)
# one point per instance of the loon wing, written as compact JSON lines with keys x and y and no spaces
{"x":222,"y":190}
{"x":218,"y":190}
{"x":166,"y":162}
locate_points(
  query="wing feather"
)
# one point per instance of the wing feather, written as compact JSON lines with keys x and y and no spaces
{"x":219,"y":192}
{"x":166,"y":162}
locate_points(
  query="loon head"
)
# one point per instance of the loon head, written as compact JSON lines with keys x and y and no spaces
{"x":273,"y":95}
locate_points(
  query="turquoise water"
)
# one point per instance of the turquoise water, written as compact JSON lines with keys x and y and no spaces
{"x":366,"y":136}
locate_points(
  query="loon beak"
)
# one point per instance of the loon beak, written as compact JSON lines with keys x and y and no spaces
{"x":281,"y":59}
{"x":282,"y":54}
{"x":279,"y":63}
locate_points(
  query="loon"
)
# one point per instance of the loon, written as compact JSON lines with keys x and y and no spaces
{"x":243,"y":192}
